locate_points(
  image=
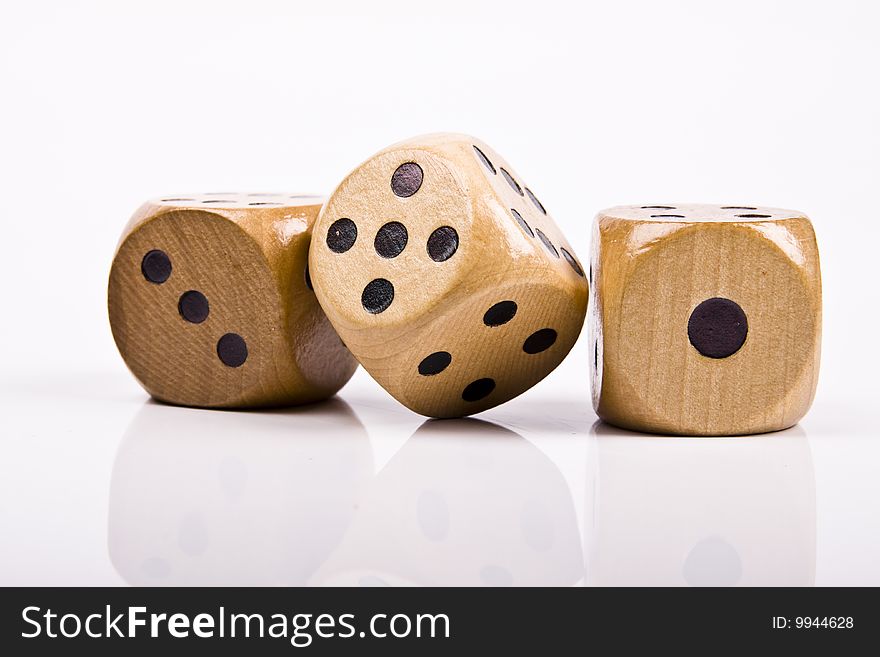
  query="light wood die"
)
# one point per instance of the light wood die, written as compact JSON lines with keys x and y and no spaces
{"x":211,"y":303}
{"x":446,"y":277}
{"x":705,"y":319}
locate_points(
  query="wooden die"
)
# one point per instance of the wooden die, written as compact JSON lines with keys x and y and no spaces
{"x":211,"y":304}
{"x":705,"y":319}
{"x":446,"y":277}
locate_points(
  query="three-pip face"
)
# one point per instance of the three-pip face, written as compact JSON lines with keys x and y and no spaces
{"x":705,"y":320}
{"x":446,"y":277}
{"x":211,"y":303}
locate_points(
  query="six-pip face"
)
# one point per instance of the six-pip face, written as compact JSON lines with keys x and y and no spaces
{"x":446,"y":277}
{"x":448,"y":280}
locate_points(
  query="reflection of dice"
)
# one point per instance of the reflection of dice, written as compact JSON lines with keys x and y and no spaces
{"x":462,"y":504}
{"x":211,"y":303}
{"x":446,"y":277}
{"x":200,"y":498}
{"x":685,"y":512}
{"x":706,"y":320}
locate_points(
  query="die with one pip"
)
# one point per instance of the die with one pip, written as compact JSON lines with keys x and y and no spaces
{"x":446,"y":277}
{"x":211,"y":304}
{"x":705,"y":319}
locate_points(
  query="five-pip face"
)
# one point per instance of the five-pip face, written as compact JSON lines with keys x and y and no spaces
{"x":446,"y":277}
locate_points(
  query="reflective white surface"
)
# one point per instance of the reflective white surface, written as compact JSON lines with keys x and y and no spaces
{"x":234,"y":498}
{"x":770,"y":104}
{"x":99,"y":485}
{"x":690,"y":511}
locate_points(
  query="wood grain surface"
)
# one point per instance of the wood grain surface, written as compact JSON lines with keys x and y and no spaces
{"x":239,"y":259}
{"x":653,"y":266}
{"x":449,"y":192}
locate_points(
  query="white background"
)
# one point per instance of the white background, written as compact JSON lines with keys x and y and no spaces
{"x":596,"y":103}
